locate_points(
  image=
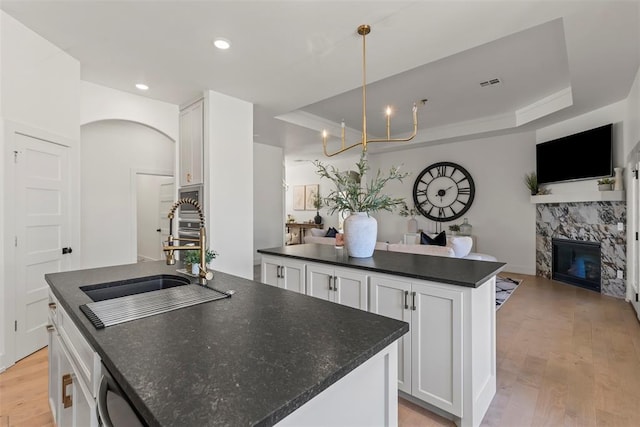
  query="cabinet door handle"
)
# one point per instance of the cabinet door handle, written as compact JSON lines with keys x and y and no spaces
{"x":50,"y":328}
{"x":67,"y":400}
{"x":52,"y":306}
{"x":330,"y":278}
{"x":335,"y":283}
{"x":278,"y":272}
{"x":406,"y":300}
{"x":282,"y":271}
{"x":413,"y":296}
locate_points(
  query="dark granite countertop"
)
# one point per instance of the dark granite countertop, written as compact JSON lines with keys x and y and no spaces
{"x":251,"y":359}
{"x":454,"y":271}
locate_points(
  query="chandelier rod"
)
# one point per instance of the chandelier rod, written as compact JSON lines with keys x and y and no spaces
{"x":363,"y":30}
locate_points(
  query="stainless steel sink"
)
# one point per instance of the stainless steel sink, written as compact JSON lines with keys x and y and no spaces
{"x":124,"y":301}
{"x":106,"y":291}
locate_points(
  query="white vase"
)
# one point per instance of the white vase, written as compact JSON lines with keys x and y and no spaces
{"x":618,"y":184}
{"x":412,"y":225}
{"x":360,"y":233}
{"x":195,"y":268}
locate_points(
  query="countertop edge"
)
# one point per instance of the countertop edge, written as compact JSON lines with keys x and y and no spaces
{"x":477,"y":283}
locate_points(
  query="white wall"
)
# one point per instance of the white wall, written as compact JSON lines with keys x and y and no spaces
{"x":103,"y":103}
{"x":304,"y":173}
{"x":502,"y":216}
{"x":112,"y":151}
{"x":148,"y":215}
{"x":268,"y":197}
{"x":632,"y":117}
{"x":228,"y":153}
{"x":39,"y":87}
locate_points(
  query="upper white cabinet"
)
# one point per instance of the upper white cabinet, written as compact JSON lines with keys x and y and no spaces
{"x":192,"y":144}
{"x":341,"y":285}
{"x":283,"y":273}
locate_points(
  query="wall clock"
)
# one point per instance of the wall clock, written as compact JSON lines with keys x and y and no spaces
{"x":443,"y":191}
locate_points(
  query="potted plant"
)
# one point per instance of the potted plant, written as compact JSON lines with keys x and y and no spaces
{"x":412,"y":223}
{"x":350,"y":195}
{"x":192,"y":259}
{"x":455,"y":229}
{"x":317,"y":203}
{"x":605,"y":184}
{"x":531,"y":181}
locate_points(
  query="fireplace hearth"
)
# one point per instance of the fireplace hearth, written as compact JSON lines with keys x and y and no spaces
{"x":577,"y":263}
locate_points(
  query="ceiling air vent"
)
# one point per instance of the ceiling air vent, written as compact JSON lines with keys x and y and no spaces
{"x":491,"y":82}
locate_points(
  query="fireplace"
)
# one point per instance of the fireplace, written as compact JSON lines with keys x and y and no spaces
{"x":577,"y":262}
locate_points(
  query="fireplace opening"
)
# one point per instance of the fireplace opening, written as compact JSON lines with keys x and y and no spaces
{"x":577,"y":263}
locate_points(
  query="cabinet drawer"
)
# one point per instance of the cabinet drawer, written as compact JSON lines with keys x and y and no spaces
{"x":82,"y":354}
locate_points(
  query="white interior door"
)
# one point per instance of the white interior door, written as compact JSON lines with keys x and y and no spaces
{"x":166,"y":199}
{"x":42,"y":227}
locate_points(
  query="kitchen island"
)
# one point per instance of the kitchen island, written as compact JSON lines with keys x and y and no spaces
{"x":447,"y":363}
{"x":263,"y":356}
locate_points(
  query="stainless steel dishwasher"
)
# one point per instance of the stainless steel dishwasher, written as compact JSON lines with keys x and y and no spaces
{"x":114,"y":410}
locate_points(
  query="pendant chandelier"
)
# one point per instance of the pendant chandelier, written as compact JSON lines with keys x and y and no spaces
{"x":363,"y":30}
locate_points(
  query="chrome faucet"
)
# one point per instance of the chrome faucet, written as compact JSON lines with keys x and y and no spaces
{"x":170,"y":248}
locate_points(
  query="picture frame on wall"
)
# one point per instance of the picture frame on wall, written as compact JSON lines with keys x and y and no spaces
{"x":298,"y":197}
{"x":310,"y":192}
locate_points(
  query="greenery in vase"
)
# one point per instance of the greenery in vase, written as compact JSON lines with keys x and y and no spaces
{"x":405,"y":211}
{"x":454,"y":228}
{"x":350,"y":196}
{"x":531,"y":181}
{"x":317,"y":200}
{"x":606,"y":181}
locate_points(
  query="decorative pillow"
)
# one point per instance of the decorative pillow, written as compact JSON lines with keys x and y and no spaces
{"x":318,"y":232}
{"x":439,"y":240}
{"x":461,"y":245}
{"x":331,"y":232}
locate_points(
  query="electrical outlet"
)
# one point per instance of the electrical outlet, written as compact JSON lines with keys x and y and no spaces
{"x":620,"y":226}
{"x":620,"y":275}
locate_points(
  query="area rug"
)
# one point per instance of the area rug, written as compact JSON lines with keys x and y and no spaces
{"x":504,"y":288}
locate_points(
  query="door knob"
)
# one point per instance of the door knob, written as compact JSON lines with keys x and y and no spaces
{"x":158,"y":230}
{"x":66,"y":251}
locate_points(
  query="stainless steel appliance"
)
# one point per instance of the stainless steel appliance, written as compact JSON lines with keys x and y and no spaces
{"x":187,"y":211}
{"x":113,"y":408}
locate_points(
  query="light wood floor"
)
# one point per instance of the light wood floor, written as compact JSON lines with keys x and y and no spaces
{"x":566,"y":356}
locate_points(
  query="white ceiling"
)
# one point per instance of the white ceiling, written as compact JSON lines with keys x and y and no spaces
{"x":301,"y":60}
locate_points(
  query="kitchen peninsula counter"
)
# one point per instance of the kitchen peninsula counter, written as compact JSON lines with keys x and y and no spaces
{"x":453,"y":271}
{"x":252,"y":359}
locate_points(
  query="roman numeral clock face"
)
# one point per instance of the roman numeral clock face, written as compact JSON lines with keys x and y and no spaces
{"x":443,"y":191}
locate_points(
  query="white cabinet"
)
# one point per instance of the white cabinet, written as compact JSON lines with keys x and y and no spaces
{"x":390,"y":297}
{"x":73,"y":372}
{"x":192,"y":144}
{"x":430,"y":357}
{"x":283,"y":273}
{"x":340,"y":285}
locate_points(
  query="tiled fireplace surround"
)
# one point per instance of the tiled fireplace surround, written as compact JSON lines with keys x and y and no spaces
{"x":585,"y":221}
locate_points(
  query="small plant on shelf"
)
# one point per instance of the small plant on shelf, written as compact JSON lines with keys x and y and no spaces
{"x":531,"y":181}
{"x":455,"y":228}
{"x":605,"y":184}
{"x":606,"y":181}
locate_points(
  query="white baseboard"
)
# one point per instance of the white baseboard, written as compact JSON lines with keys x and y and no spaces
{"x":521,"y":269}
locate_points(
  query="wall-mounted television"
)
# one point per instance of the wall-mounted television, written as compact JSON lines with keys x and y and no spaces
{"x":583,"y":155}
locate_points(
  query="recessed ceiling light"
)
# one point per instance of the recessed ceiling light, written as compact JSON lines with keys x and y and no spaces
{"x":142,"y":86}
{"x":221,"y":43}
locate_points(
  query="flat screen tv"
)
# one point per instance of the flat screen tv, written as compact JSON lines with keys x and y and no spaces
{"x":583,"y":155}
